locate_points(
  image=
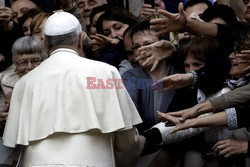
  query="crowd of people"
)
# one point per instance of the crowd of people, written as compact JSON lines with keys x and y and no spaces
{"x":86,"y":83}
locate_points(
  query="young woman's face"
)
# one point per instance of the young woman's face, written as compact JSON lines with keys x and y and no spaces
{"x":237,"y":69}
{"x":191,"y":63}
{"x":114,"y":29}
{"x":26,"y":26}
{"x":93,"y":25}
{"x":38,"y":31}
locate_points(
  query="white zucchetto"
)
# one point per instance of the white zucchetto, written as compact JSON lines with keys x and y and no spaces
{"x":61,"y":23}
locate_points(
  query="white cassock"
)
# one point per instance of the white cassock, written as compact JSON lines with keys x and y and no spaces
{"x":61,"y":121}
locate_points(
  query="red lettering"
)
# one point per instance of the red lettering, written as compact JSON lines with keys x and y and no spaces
{"x":118,"y":84}
{"x":90,"y":83}
{"x":100,"y":84}
{"x":110,"y":84}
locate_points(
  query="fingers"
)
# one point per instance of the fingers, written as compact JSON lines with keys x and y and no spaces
{"x":154,"y":65}
{"x":185,"y":116}
{"x":167,"y":117}
{"x":189,"y":113}
{"x":243,"y":55}
{"x":146,"y":5}
{"x":223,"y":148}
{"x":181,"y":9}
{"x":178,"y":128}
{"x":147,"y":11}
{"x":148,"y":62}
{"x":165,"y":83}
{"x":103,"y":37}
{"x":177,"y":113}
{"x":247,"y":69}
{"x":107,"y":39}
{"x":97,"y":38}
{"x":143,"y":55}
{"x":5,"y":14}
{"x":165,"y":13}
{"x":158,"y":27}
{"x":145,"y":48}
{"x":159,"y":21}
{"x":245,"y":52}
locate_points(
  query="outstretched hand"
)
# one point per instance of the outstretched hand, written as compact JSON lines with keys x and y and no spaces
{"x":170,"y":22}
{"x":229,"y":147}
{"x":155,"y":53}
{"x":174,"y":81}
{"x":175,"y":119}
{"x":5,"y":13}
{"x":100,"y":41}
{"x":146,"y":10}
{"x":244,"y":57}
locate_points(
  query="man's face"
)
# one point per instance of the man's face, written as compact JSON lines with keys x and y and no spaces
{"x":86,"y":7}
{"x":247,"y":11}
{"x":20,"y":7}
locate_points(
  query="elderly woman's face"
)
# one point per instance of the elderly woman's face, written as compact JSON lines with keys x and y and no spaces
{"x":26,"y":62}
{"x":140,"y":39}
{"x":114,"y":29}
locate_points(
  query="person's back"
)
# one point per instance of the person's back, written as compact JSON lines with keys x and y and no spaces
{"x":69,"y":111}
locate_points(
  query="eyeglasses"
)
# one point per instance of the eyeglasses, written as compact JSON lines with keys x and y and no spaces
{"x":245,"y":1}
{"x":33,"y":62}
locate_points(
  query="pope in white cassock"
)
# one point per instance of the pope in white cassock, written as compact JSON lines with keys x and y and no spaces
{"x":60,"y":120}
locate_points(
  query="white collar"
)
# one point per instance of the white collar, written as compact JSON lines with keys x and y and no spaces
{"x":64,"y":50}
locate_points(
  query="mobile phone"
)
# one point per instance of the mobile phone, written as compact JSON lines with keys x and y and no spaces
{"x":150,"y":2}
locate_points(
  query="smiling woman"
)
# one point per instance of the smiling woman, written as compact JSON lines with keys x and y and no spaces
{"x":27,"y":53}
{"x":37,"y":26}
{"x":114,"y":22}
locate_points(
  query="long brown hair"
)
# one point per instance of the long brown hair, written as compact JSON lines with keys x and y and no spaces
{"x":37,"y":21}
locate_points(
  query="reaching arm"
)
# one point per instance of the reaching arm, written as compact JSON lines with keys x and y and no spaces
{"x":179,"y":22}
{"x":218,"y":119}
{"x":155,"y":53}
{"x":237,"y":96}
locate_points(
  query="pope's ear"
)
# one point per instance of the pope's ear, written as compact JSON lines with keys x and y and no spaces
{"x":80,"y":41}
{"x":46,"y":46}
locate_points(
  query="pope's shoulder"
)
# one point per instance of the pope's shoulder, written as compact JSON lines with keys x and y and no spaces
{"x":98,"y":64}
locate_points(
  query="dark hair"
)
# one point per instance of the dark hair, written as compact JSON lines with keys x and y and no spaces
{"x":96,"y":10}
{"x":116,"y":14}
{"x":199,"y":48}
{"x":144,"y":25}
{"x":242,"y":36}
{"x":37,"y":21}
{"x":30,"y":14}
{"x":191,"y":3}
{"x":224,"y":12}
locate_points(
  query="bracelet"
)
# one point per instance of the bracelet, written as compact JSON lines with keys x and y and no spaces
{"x":195,"y":79}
